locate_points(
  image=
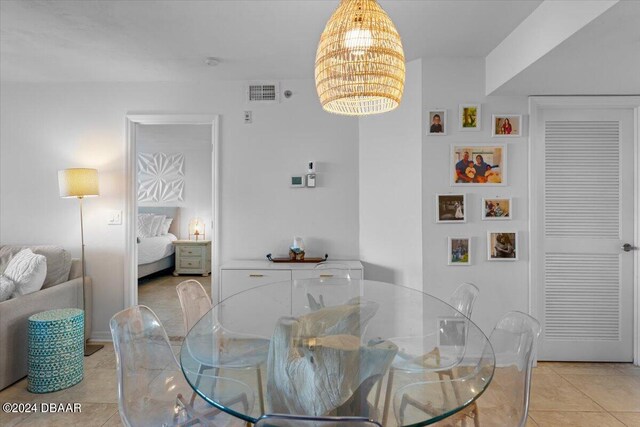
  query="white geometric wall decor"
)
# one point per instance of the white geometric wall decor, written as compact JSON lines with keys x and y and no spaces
{"x":160,"y":177}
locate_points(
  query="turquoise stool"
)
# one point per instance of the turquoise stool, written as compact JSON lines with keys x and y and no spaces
{"x":56,"y":350}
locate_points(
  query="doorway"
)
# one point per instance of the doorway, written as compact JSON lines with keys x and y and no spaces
{"x":584,"y":200}
{"x":172,"y":211}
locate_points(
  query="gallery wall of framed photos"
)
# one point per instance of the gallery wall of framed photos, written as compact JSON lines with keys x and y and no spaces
{"x":480,"y":165}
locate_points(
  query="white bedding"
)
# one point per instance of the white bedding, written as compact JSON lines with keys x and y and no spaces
{"x":151,"y":249}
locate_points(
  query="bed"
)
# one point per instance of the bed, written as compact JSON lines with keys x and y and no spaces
{"x":157,"y":253}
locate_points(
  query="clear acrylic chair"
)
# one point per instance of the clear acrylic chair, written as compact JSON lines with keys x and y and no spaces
{"x":463,"y":300}
{"x":151,"y":384}
{"x":195,"y":303}
{"x":514,"y":342}
{"x":300,"y":421}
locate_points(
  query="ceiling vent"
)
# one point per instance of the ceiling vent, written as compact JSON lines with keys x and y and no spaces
{"x":263,"y":92}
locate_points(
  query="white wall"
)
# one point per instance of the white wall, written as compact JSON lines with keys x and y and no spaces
{"x":194,"y":143}
{"x":391,"y":188}
{"x":503,"y":286}
{"x":47,"y":127}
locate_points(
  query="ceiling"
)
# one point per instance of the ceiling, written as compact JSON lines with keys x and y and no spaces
{"x":58,"y":41}
{"x":603,"y":58}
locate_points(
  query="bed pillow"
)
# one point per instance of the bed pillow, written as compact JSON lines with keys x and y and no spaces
{"x":156,"y":225}
{"x":166,"y":225}
{"x":144,"y":225}
{"x":28,"y":271}
{"x":7,"y":287}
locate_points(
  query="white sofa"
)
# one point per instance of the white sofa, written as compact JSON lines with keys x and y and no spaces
{"x":14,"y":313}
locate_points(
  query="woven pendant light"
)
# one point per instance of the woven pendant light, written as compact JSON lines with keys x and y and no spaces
{"x":360,"y":62}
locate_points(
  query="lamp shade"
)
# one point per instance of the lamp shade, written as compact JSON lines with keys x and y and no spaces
{"x":78,"y":182}
{"x":360,"y":66}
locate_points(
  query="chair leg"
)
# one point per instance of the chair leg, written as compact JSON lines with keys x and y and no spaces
{"x":378,"y":390}
{"x":385,"y":411}
{"x":260,"y":391}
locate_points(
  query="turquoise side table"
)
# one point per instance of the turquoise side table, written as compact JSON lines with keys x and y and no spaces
{"x":56,"y":350}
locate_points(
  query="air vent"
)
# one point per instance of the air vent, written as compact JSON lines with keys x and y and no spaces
{"x":263,"y":92}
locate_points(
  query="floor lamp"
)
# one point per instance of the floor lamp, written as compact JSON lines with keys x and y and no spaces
{"x":80,"y":183}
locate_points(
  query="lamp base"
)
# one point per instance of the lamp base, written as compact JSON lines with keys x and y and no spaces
{"x":89,"y":349}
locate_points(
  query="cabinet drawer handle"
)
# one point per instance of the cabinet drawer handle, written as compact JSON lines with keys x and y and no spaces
{"x":326,"y":275}
{"x":256,"y":275}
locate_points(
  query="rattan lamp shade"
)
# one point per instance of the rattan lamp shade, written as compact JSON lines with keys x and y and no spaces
{"x":360,"y":62}
{"x":78,"y":182}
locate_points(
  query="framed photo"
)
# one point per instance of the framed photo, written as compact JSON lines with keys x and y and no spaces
{"x":459,"y":251}
{"x":452,"y":331}
{"x":497,"y":209}
{"x":437,"y":124}
{"x":478,"y":165}
{"x":502,"y":246}
{"x":451,"y":208}
{"x":506,"y":125}
{"x":469,"y":117}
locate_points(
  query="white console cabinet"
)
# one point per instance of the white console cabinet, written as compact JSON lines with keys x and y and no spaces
{"x":238,"y":276}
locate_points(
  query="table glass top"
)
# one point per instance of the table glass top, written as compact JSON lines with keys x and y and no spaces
{"x":338,"y":347}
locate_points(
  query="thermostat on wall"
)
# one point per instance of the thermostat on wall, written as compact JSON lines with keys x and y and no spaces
{"x":297,"y":181}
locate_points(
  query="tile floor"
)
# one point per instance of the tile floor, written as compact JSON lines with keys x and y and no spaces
{"x":159,"y":294}
{"x":563,"y":394}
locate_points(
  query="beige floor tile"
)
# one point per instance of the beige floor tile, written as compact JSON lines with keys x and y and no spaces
{"x":531,"y":423}
{"x":584,"y":368}
{"x":98,"y":386}
{"x":551,"y":392}
{"x":630,"y":419}
{"x":19,"y":393}
{"x":12,"y":419}
{"x":114,"y":421}
{"x":629,"y":369}
{"x":574,"y":419}
{"x":92,"y":414}
{"x":613,"y":393}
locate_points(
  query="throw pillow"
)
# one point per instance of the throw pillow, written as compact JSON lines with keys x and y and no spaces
{"x":166,"y":225}
{"x":156,"y":225}
{"x":27,"y":270}
{"x":7,"y":287}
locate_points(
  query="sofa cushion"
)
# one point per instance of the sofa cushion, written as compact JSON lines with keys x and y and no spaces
{"x":27,"y":270}
{"x":7,"y":287}
{"x":58,"y":261}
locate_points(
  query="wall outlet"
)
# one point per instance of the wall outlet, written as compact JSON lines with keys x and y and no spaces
{"x":114,"y":218}
{"x":247,"y":117}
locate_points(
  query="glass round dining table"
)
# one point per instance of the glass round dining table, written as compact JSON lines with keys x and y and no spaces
{"x":338,"y":347}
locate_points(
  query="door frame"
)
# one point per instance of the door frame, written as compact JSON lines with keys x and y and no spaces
{"x":131,"y":202}
{"x":536,"y":104}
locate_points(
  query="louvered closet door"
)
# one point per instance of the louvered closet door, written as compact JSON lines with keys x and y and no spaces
{"x":587,"y":214}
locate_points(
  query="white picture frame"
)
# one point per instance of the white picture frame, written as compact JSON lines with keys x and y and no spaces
{"x":495,"y":176}
{"x":502,"y":212}
{"x":514,"y":241}
{"x":442,"y":112}
{"x":464,"y":114}
{"x":453,"y":244}
{"x":446,"y":210}
{"x":516,"y":125}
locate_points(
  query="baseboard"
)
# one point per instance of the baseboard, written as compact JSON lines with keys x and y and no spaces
{"x":100,"y":336}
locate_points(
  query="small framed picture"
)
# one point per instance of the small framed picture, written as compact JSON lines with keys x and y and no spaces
{"x":452,"y":331}
{"x":459,"y":251}
{"x":437,"y":122}
{"x":502,"y":246}
{"x":497,"y":209}
{"x":451,"y":208}
{"x":506,"y":125}
{"x":469,"y":117}
{"x":474,"y":164}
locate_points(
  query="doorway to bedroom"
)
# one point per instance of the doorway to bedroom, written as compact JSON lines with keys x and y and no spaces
{"x":174,"y":216}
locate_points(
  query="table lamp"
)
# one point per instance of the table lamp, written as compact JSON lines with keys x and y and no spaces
{"x":196,"y":229}
{"x":80,"y":183}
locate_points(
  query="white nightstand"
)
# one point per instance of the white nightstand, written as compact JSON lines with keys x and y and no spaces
{"x":193,"y":257}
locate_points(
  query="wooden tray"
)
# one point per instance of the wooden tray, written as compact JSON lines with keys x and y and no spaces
{"x":302,"y":261}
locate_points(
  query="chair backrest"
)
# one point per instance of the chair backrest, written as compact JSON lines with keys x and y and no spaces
{"x":300,"y":421}
{"x":146,"y":368}
{"x":194,"y":301}
{"x":332,"y":270}
{"x":514,"y":342}
{"x":463,"y":298}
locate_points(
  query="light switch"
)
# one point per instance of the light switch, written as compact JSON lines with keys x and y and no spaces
{"x":115,"y":218}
